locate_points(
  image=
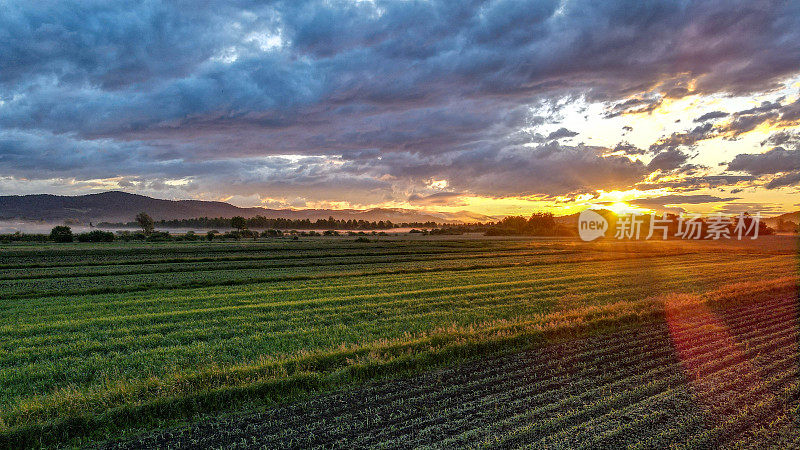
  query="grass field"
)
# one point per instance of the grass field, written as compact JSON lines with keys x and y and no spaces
{"x":605,"y":391}
{"x":102,"y":341}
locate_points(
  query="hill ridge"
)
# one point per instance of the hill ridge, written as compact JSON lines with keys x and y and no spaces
{"x":120,"y":206}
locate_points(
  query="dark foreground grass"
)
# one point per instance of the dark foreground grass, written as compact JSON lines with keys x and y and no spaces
{"x":85,"y":366}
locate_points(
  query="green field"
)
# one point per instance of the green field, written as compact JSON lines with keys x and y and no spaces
{"x":101,"y":341}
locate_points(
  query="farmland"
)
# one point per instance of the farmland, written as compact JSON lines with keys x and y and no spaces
{"x":600,"y":391}
{"x":574,"y":342}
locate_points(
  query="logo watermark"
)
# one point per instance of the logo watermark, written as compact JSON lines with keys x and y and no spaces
{"x":591,"y":225}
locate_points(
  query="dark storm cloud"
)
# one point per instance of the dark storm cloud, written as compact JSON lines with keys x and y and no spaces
{"x":409,"y":90}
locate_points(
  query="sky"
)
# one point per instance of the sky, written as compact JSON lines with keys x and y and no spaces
{"x":498,"y":107}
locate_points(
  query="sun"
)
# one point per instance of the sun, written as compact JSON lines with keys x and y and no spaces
{"x":623,"y":209}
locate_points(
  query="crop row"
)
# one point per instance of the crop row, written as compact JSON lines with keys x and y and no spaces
{"x":504,"y":381}
{"x":98,"y":255}
{"x":132,"y":346}
{"x":176,"y":275}
{"x":84,"y":351}
{"x":282,"y":304}
{"x":629,"y":388}
{"x":28,"y":316}
{"x":131,"y":283}
{"x":265,"y":261}
{"x":228,"y":378}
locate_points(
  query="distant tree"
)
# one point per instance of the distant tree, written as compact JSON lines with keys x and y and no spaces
{"x":515,"y":224}
{"x":210,"y":235}
{"x":542,"y":224}
{"x":61,"y":234}
{"x":145,"y":222}
{"x":239,"y":223}
{"x":271,"y":233}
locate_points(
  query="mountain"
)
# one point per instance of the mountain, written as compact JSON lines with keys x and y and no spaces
{"x":115,"y":206}
{"x":788,"y":217}
{"x":775,"y":222}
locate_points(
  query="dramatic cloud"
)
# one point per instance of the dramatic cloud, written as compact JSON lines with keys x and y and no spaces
{"x":368,"y":101}
{"x":774,"y":161}
{"x":697,"y":182}
{"x":561,"y":133}
{"x":767,"y":113}
{"x":685,"y":139}
{"x":668,"y":160}
{"x":629,"y":149}
{"x":711,"y":115}
{"x":779,"y":167}
{"x":785,"y":179}
{"x":634,"y":106}
{"x":677,"y":199}
{"x":748,"y":207}
{"x":436,"y":199}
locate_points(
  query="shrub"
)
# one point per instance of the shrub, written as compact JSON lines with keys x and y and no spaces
{"x":248,"y":234}
{"x":232,"y":235}
{"x":61,"y":234}
{"x":96,"y":236}
{"x":127,"y":236}
{"x":159,"y":236}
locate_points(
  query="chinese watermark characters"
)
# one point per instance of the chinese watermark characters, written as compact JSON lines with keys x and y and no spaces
{"x":689,"y":227}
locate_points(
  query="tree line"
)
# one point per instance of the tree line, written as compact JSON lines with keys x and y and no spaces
{"x":261,"y":222}
{"x":538,"y":224}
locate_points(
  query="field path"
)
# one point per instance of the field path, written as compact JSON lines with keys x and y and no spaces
{"x":719,"y":378}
